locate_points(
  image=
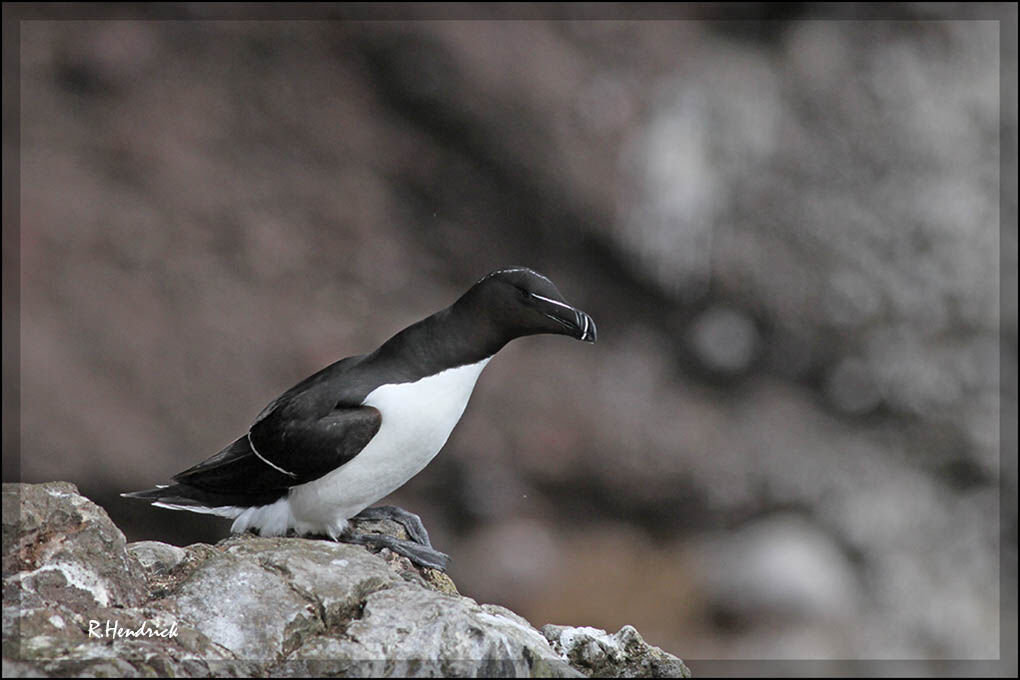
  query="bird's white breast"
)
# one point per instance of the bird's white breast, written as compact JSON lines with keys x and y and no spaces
{"x":417,"y":419}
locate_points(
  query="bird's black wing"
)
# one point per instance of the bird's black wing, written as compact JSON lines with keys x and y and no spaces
{"x":306,"y":449}
{"x":278,"y":452}
{"x":305,"y":433}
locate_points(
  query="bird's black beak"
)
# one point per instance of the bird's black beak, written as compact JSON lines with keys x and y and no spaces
{"x":570,"y":320}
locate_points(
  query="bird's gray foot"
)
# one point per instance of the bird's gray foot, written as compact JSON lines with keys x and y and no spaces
{"x":422,"y":555}
{"x":410,"y":521}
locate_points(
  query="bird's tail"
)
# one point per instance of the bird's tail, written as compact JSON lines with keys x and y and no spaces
{"x":221,"y":485}
{"x":185,"y":497}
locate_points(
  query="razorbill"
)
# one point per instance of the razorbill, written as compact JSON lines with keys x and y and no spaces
{"x":345,"y":437}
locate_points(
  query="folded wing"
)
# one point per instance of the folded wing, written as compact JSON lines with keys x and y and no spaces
{"x":277,"y":453}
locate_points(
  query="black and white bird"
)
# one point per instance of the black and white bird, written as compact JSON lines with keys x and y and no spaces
{"x":345,"y":437}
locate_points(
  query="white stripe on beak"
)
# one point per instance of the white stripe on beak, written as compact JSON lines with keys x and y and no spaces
{"x":558,"y":304}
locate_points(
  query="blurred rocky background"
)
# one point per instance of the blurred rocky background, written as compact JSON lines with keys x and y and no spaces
{"x":786,"y":442}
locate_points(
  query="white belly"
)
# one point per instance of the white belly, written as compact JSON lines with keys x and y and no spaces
{"x":417,"y":419}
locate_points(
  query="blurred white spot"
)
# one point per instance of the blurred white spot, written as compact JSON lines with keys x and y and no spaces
{"x":670,"y":219}
{"x":783,"y":566}
{"x":724,"y":340}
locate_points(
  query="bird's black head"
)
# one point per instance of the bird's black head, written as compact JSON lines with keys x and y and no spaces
{"x":520,"y":301}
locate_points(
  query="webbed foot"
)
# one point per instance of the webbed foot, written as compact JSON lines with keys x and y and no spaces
{"x":422,"y":555}
{"x":410,"y":521}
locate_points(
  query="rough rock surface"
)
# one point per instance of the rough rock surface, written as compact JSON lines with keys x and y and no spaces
{"x":253,"y":606}
{"x":623,"y":655}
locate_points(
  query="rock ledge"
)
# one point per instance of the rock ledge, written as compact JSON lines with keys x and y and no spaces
{"x":79,"y":600}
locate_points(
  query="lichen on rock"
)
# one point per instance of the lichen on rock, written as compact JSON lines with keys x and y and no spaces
{"x":79,"y":600}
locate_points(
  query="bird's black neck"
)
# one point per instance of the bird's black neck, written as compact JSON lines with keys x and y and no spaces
{"x":459,"y":335}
